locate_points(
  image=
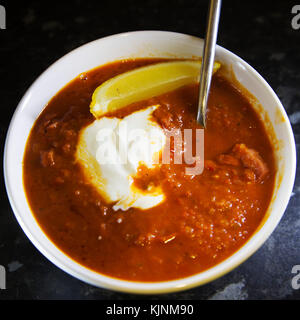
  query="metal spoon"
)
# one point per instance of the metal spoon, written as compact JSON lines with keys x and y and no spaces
{"x":208,"y":59}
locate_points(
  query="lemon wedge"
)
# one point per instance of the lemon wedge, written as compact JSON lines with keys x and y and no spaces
{"x":144,"y":83}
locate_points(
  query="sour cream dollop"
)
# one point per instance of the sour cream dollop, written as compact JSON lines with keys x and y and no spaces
{"x":111,"y":150}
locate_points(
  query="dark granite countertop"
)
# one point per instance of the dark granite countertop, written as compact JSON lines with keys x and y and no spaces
{"x":40,"y":32}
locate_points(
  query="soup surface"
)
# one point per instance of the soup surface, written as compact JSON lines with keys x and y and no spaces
{"x":204,"y":218}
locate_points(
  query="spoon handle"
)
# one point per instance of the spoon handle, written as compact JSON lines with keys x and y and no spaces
{"x":208,"y":59}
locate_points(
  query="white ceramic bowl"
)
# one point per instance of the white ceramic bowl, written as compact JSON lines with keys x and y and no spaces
{"x":142,"y":44}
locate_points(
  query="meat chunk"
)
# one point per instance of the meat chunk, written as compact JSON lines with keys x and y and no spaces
{"x":164,"y":118}
{"x":47,"y":158}
{"x":251,"y":159}
{"x":228,"y":160}
{"x":210,"y":165}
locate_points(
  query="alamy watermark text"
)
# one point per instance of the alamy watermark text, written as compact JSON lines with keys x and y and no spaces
{"x":2,"y":17}
{"x":295,"y":22}
{"x":2,"y":278}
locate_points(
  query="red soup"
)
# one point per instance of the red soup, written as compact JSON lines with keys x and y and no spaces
{"x":204,"y":218}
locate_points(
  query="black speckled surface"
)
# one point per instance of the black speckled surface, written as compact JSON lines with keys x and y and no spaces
{"x":40,"y":32}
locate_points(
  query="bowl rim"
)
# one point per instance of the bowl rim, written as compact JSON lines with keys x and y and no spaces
{"x":85,"y":274}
